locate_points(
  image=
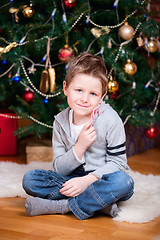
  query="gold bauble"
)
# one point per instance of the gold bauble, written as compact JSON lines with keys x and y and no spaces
{"x":28,"y":12}
{"x":152,"y":46}
{"x":112,"y":86}
{"x":126,"y":31}
{"x":130,"y":67}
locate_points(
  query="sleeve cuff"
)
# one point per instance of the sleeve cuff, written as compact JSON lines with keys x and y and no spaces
{"x":82,"y":161}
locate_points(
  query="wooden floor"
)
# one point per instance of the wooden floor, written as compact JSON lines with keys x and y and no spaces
{"x":16,"y":225}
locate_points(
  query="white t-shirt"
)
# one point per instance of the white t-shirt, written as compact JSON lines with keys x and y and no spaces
{"x":75,"y":129}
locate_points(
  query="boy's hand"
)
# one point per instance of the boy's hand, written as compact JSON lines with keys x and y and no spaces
{"x":86,"y":137}
{"x":76,"y":186}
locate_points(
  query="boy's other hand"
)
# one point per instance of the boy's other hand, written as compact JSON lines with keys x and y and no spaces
{"x":76,"y":186}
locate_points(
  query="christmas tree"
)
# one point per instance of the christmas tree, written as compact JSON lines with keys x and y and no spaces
{"x":38,"y":39}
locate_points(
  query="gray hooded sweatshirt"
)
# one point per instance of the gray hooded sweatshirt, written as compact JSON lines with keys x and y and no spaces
{"x":105,"y":155}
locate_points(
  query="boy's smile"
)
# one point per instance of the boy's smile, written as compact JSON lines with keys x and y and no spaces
{"x":84,"y":93}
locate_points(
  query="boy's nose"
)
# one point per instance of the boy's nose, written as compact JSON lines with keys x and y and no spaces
{"x":85,"y":97}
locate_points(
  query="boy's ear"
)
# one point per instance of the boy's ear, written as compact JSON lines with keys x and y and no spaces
{"x":103,"y":96}
{"x":65,"y":88}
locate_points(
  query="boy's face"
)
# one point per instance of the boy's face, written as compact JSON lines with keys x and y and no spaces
{"x":84,"y":93}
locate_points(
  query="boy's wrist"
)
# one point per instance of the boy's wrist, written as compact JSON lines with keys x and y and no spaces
{"x":91,"y":178}
{"x":79,"y":150}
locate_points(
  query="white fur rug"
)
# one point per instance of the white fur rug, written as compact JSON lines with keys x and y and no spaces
{"x":144,"y":206}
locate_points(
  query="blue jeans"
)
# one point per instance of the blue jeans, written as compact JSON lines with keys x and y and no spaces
{"x":113,"y":187}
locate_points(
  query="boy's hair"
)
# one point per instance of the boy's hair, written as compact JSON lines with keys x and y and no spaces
{"x":90,"y":64}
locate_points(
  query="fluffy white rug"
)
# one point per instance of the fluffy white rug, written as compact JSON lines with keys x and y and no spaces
{"x":144,"y":206}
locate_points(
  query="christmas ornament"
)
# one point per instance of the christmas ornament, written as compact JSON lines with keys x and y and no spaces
{"x":98,"y":32}
{"x":68,"y":4}
{"x":52,"y":77}
{"x":151,"y":132}
{"x":15,"y":11}
{"x":152,"y":45}
{"x":32,"y":69}
{"x":112,"y":85}
{"x":130,"y":67}
{"x":28,"y":11}
{"x":48,"y":75}
{"x":65,"y":54}
{"x":48,"y":80}
{"x":126,"y":31}
{"x":114,"y":95}
{"x":8,"y":48}
{"x":28,"y":96}
{"x":44,"y":84}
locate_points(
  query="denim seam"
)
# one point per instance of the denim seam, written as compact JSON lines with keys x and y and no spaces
{"x":97,"y":197}
{"x":81,"y":215}
{"x":116,"y":199}
{"x":53,"y":193}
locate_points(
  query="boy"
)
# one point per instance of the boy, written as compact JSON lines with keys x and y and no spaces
{"x":89,"y":157}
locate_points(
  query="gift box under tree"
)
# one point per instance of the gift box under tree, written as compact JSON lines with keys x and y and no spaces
{"x":139,"y":140}
{"x":8,"y":139}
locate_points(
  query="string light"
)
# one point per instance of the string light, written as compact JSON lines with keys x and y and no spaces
{"x":116,"y":3}
{"x":53,"y":12}
{"x":127,"y":118}
{"x":16,"y":78}
{"x":8,"y":70}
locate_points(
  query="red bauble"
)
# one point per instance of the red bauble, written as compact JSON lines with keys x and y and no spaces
{"x":69,"y":3}
{"x":65,"y":54}
{"x":114,"y":96}
{"x":151,"y":132}
{"x":28,"y":96}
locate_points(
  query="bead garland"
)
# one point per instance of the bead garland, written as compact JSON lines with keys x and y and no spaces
{"x":115,"y":26}
{"x":156,"y":105}
{"x":30,"y":117}
{"x":81,"y":15}
{"x":119,"y":50}
{"x":9,"y":116}
{"x":43,"y":124}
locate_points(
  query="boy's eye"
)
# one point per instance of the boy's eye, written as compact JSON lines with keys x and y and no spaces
{"x":93,"y":94}
{"x":78,"y":90}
